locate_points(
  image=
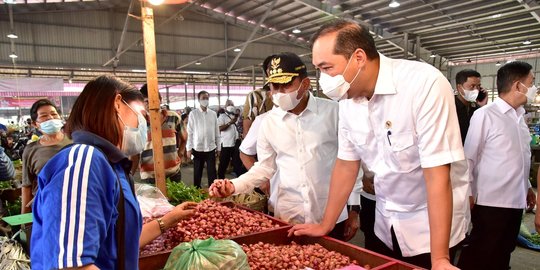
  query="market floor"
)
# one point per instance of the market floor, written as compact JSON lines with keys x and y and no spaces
{"x":522,"y":258}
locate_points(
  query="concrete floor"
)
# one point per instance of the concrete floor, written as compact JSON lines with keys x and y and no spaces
{"x":522,"y":258}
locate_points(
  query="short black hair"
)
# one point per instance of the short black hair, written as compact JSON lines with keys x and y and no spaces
{"x":144,"y":91}
{"x":38,"y":104}
{"x":510,"y":73}
{"x":463,"y":75}
{"x":202,"y":93}
{"x":351,"y":36}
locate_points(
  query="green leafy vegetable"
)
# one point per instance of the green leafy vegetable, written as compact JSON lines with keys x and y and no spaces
{"x":5,"y":185}
{"x":179,"y":192}
{"x":534,"y":238}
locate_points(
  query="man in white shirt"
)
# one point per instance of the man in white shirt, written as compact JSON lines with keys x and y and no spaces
{"x":498,"y":152}
{"x":296,"y":148}
{"x":203,"y":140}
{"x":398,"y":117}
{"x":229,"y":138}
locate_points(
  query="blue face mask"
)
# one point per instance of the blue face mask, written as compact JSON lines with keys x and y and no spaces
{"x":51,"y":127}
{"x":134,"y":139}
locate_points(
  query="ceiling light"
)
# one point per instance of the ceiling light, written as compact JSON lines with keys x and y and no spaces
{"x":198,"y":63}
{"x":13,"y":55}
{"x":237,"y":50}
{"x":9,"y":1}
{"x":498,"y":63}
{"x":296,"y":31}
{"x":12,"y":35}
{"x":394,"y":4}
{"x":495,"y":16}
{"x":156,"y":2}
{"x":433,"y":55}
{"x":527,"y":42}
{"x":469,"y":60}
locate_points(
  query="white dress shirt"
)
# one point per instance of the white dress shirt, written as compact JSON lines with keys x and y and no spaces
{"x":249,"y":144}
{"x":498,"y":150}
{"x":409,"y":124}
{"x":230,"y":134}
{"x":300,"y":152}
{"x":203,"y":131}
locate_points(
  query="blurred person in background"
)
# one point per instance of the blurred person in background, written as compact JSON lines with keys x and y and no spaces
{"x":172,"y":142}
{"x":257,"y":102}
{"x":498,"y":153}
{"x":45,"y":118}
{"x":203,"y":140}
{"x":86,"y":215}
{"x":470,"y":96}
{"x":230,"y":141}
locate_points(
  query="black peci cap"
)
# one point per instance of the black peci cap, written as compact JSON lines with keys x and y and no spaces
{"x":285,"y":66}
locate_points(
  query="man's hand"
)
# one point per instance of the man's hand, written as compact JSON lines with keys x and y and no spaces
{"x":442,"y":264}
{"x":188,"y":154}
{"x":313,"y":230}
{"x":471,"y":202}
{"x":531,"y":200}
{"x":351,"y":225}
{"x":537,"y":221}
{"x":221,"y":188}
{"x":217,"y":154}
{"x":483,"y":101}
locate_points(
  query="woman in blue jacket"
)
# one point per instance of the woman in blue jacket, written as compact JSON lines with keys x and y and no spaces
{"x":86,"y":215}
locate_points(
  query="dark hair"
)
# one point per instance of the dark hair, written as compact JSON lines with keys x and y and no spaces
{"x":463,"y":75}
{"x":144,"y":91}
{"x":510,"y":73}
{"x":94,"y":110}
{"x":350,"y":37}
{"x":202,"y":93}
{"x":38,"y":104}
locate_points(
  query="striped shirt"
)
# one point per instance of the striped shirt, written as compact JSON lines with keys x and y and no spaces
{"x":169,"y":130}
{"x":75,"y":208}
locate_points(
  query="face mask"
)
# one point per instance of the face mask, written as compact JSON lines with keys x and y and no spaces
{"x":230,"y":109}
{"x":51,"y":126}
{"x":531,"y":93}
{"x":336,"y":87}
{"x":134,"y":139}
{"x":204,"y":102}
{"x":470,"y":95}
{"x":287,"y":101}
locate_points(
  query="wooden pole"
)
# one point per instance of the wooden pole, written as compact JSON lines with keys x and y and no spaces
{"x":153,"y":96}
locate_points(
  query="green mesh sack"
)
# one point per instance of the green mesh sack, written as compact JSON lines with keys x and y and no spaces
{"x":209,"y":254}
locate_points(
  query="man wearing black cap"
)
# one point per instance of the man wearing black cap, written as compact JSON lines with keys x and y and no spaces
{"x":296,"y":148}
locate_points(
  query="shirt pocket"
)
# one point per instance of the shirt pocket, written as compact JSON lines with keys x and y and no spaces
{"x":358,"y":139}
{"x":401,"y":152}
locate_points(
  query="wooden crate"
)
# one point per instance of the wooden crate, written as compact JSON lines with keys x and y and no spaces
{"x":361,"y":255}
{"x":157,"y":260}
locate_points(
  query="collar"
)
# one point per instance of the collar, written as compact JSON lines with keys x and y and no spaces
{"x":504,"y":107}
{"x":113,"y":154}
{"x":311,"y":106}
{"x":201,"y":110}
{"x":385,"y":79}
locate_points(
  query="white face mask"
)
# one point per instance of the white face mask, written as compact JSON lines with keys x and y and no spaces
{"x":134,"y":139}
{"x":204,"y":102}
{"x":531,"y":93}
{"x":230,"y":109}
{"x":51,"y":126}
{"x":287,"y":101}
{"x":336,"y":87}
{"x":470,"y":95}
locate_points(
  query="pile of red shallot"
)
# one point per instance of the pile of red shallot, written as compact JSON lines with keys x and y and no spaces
{"x":210,"y":220}
{"x":264,"y":256}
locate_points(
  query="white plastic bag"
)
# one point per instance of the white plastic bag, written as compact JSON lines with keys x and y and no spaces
{"x":152,"y":202}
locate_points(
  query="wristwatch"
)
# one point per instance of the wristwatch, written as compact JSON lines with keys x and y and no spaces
{"x":161,"y":225}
